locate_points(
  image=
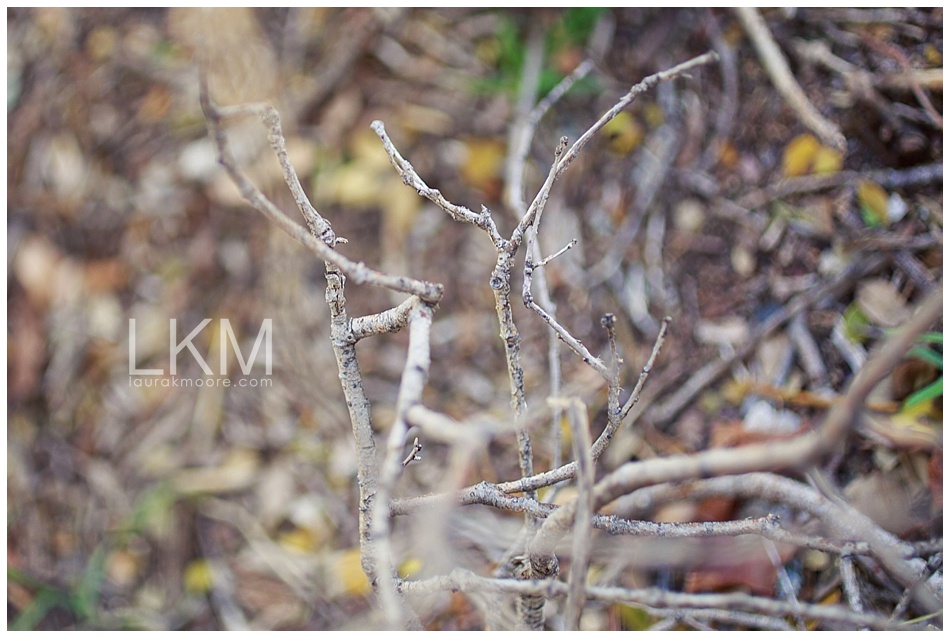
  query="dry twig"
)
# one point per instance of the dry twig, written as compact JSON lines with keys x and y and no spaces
{"x":777,"y":68}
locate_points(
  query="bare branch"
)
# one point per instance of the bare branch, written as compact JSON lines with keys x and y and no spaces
{"x":583,"y":536}
{"x":636,"y":90}
{"x":702,"y":378}
{"x":529,"y":266}
{"x":777,"y":68}
{"x":799,"y":452}
{"x":519,"y":142}
{"x":411,"y":178}
{"x":392,"y":320}
{"x":358,"y":272}
{"x":414,"y":377}
{"x":414,"y":454}
{"x":651,"y":598}
{"x":271,"y":119}
{"x":645,"y":372}
{"x":551,"y":477}
{"x":849,"y":582}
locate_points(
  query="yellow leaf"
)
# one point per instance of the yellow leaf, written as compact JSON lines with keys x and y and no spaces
{"x":735,"y":390}
{"x":654,"y":115}
{"x":483,"y":163}
{"x":624,"y":133}
{"x":198,"y":577}
{"x":567,"y":434}
{"x":932,"y":55}
{"x":347,"y":573}
{"x":298,"y":539}
{"x":873,"y":202}
{"x":827,"y":160}
{"x":400,"y":206}
{"x":368,"y":151}
{"x":799,"y":155}
{"x":356,"y":184}
{"x":410,"y":567}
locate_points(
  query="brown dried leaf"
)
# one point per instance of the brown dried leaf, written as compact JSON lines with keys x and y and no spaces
{"x":740,"y":563}
{"x":881,"y":303}
{"x":935,"y":478}
{"x":888,"y":500}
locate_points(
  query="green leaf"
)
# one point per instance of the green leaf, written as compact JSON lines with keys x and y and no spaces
{"x":580,"y":21}
{"x":634,"y":618}
{"x":927,"y":355}
{"x":855,"y":324}
{"x":85,"y":599}
{"x":872,"y":200}
{"x":45,"y":600}
{"x":928,"y":393}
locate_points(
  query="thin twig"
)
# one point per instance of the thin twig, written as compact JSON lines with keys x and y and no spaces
{"x":800,"y":452}
{"x":529,"y":266}
{"x":887,"y":178}
{"x":411,"y":178}
{"x":777,"y":68}
{"x":465,"y":581}
{"x":500,"y":283}
{"x":850,"y":583}
{"x":520,"y":135}
{"x":415,"y":454}
{"x":544,"y":262}
{"x":358,"y":272}
{"x":271,"y":119}
{"x":414,"y":377}
{"x":702,"y":378}
{"x":551,"y":477}
{"x":583,"y":536}
{"x":647,"y":367}
{"x":567,"y":158}
{"x":336,"y":266}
